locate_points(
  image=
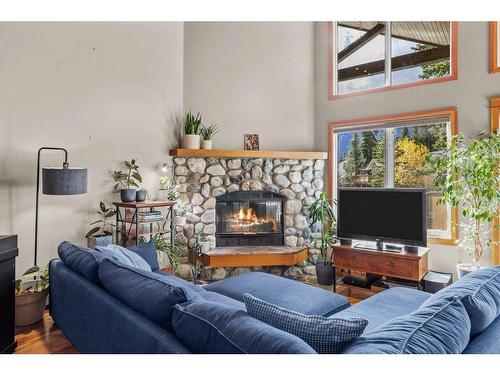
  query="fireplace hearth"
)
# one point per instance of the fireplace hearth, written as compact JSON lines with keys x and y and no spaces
{"x":249,"y":218}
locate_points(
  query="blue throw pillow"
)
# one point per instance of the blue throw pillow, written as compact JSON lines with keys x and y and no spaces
{"x":148,"y":252}
{"x":441,"y":328}
{"x":479,"y":292}
{"x":83,"y":261}
{"x":151,"y":294}
{"x":215,"y":328}
{"x":323,"y":334}
{"x":124,"y":256}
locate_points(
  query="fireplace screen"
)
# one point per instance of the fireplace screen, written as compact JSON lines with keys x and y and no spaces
{"x":249,"y":218}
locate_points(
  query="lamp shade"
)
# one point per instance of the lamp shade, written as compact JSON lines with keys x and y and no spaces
{"x":64,"y":181}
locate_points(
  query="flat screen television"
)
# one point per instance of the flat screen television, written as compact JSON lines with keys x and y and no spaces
{"x":382,"y":215}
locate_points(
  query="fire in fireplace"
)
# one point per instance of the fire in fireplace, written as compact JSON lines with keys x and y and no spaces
{"x":249,"y":218}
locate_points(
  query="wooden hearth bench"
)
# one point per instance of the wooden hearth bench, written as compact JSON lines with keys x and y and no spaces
{"x":246,"y":256}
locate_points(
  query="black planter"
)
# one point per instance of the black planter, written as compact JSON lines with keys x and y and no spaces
{"x":325,"y":273}
{"x":140,"y":196}
{"x":127,"y":195}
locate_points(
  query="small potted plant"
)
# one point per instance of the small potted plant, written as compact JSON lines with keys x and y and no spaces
{"x":192,"y":127}
{"x":321,"y":211}
{"x":102,"y":233}
{"x":204,"y":243}
{"x":170,"y":250}
{"x":468,"y":176}
{"x":31,"y":296}
{"x":180,"y":211}
{"x":141,"y":195}
{"x":207,"y":133}
{"x":127,"y":181}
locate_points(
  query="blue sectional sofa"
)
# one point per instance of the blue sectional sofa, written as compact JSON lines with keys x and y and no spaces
{"x":102,"y":306}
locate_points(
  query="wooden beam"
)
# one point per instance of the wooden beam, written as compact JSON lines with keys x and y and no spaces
{"x":360,"y":42}
{"x":182,"y":152}
{"x":409,"y":60}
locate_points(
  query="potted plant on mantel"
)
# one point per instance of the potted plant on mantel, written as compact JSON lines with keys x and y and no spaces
{"x":128,"y":181}
{"x":102,"y":233}
{"x":192,"y":127}
{"x":31,"y":296}
{"x":207,"y":133}
{"x":468,"y":175}
{"x":321,"y":211}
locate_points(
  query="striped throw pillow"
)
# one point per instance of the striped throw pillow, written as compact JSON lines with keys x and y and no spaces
{"x":326,"y":335}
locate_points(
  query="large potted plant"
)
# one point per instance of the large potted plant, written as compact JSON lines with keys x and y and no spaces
{"x":128,"y":181}
{"x":192,"y":127}
{"x":101,"y":234}
{"x":207,"y":134}
{"x":170,"y":250}
{"x":322,"y":212}
{"x":31,"y":296}
{"x":468,"y":175}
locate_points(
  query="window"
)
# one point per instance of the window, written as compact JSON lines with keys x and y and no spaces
{"x":390,"y":152}
{"x":495,"y":127}
{"x":378,"y":55}
{"x":494,"y":49}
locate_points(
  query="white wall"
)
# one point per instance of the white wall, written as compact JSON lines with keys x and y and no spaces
{"x":470,"y":94}
{"x":105,"y":91}
{"x":252,"y":77}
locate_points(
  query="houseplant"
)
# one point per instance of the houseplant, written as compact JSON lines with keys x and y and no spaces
{"x":102,"y":233}
{"x":180,"y":213}
{"x":128,"y":181}
{"x":141,"y":195}
{"x":468,"y":175}
{"x":192,"y":127}
{"x":170,"y":250}
{"x":321,"y":211}
{"x":167,"y":190}
{"x":31,"y":296}
{"x":207,"y":133}
{"x":204,"y":243}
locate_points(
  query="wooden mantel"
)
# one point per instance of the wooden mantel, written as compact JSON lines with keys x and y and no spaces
{"x":183,"y":152}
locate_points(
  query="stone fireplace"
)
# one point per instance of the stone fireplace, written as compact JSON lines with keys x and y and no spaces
{"x":251,"y":201}
{"x":249,"y":218}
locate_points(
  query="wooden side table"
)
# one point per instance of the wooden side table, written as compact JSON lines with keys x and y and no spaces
{"x":134,"y":222}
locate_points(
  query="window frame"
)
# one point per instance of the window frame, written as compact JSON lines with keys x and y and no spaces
{"x":332,"y":66}
{"x":494,"y":45}
{"x":495,"y":127}
{"x":363,"y":123}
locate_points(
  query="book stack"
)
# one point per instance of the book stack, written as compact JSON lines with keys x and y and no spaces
{"x":149,"y":216}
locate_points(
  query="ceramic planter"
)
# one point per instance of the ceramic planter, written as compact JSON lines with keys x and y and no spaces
{"x":324,"y":273}
{"x":206,"y":144}
{"x":127,"y":195}
{"x":140,"y":196}
{"x":29,"y":307}
{"x":92,"y":242}
{"x":465,"y":268}
{"x":205,"y":246}
{"x":191,"y":141}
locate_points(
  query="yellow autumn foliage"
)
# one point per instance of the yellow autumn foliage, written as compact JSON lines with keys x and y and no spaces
{"x":409,"y":159}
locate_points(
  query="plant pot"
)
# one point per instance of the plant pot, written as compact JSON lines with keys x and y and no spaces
{"x":92,"y":242}
{"x":324,"y":273}
{"x":140,"y":196}
{"x":127,"y":195}
{"x":30,"y":307}
{"x":180,"y":220}
{"x":465,"y":268}
{"x":206,"y":144}
{"x":205,"y":246}
{"x":191,"y":141}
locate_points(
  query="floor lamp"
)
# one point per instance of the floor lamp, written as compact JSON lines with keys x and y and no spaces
{"x":58,"y":181}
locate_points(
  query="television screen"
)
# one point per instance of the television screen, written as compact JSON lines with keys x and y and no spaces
{"x":388,"y":215}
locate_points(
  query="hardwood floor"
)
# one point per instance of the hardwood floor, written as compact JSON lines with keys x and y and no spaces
{"x":45,"y":338}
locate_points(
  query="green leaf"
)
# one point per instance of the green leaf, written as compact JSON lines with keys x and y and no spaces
{"x":92,"y":231}
{"x":102,"y":206}
{"x":31,"y":270}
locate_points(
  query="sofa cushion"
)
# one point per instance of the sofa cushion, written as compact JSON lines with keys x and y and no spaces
{"x":440,"y":328}
{"x":148,"y":252}
{"x":214,"y":328}
{"x":148,"y":293}
{"x":487,"y":342}
{"x":385,"y":306}
{"x":83,"y":261}
{"x":124,"y":256}
{"x":326,"y":335}
{"x":299,"y":297}
{"x":479,"y":292}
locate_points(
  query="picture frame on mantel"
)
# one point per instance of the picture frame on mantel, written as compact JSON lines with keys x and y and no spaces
{"x":494,"y":47}
{"x":251,"y":142}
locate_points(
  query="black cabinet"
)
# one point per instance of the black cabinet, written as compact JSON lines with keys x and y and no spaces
{"x":8,"y":253}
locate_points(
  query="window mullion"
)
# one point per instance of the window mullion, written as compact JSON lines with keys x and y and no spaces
{"x":389,"y":157}
{"x":388,"y":51}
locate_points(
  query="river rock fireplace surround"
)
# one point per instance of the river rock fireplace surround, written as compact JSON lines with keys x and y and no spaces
{"x":250,"y":201}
